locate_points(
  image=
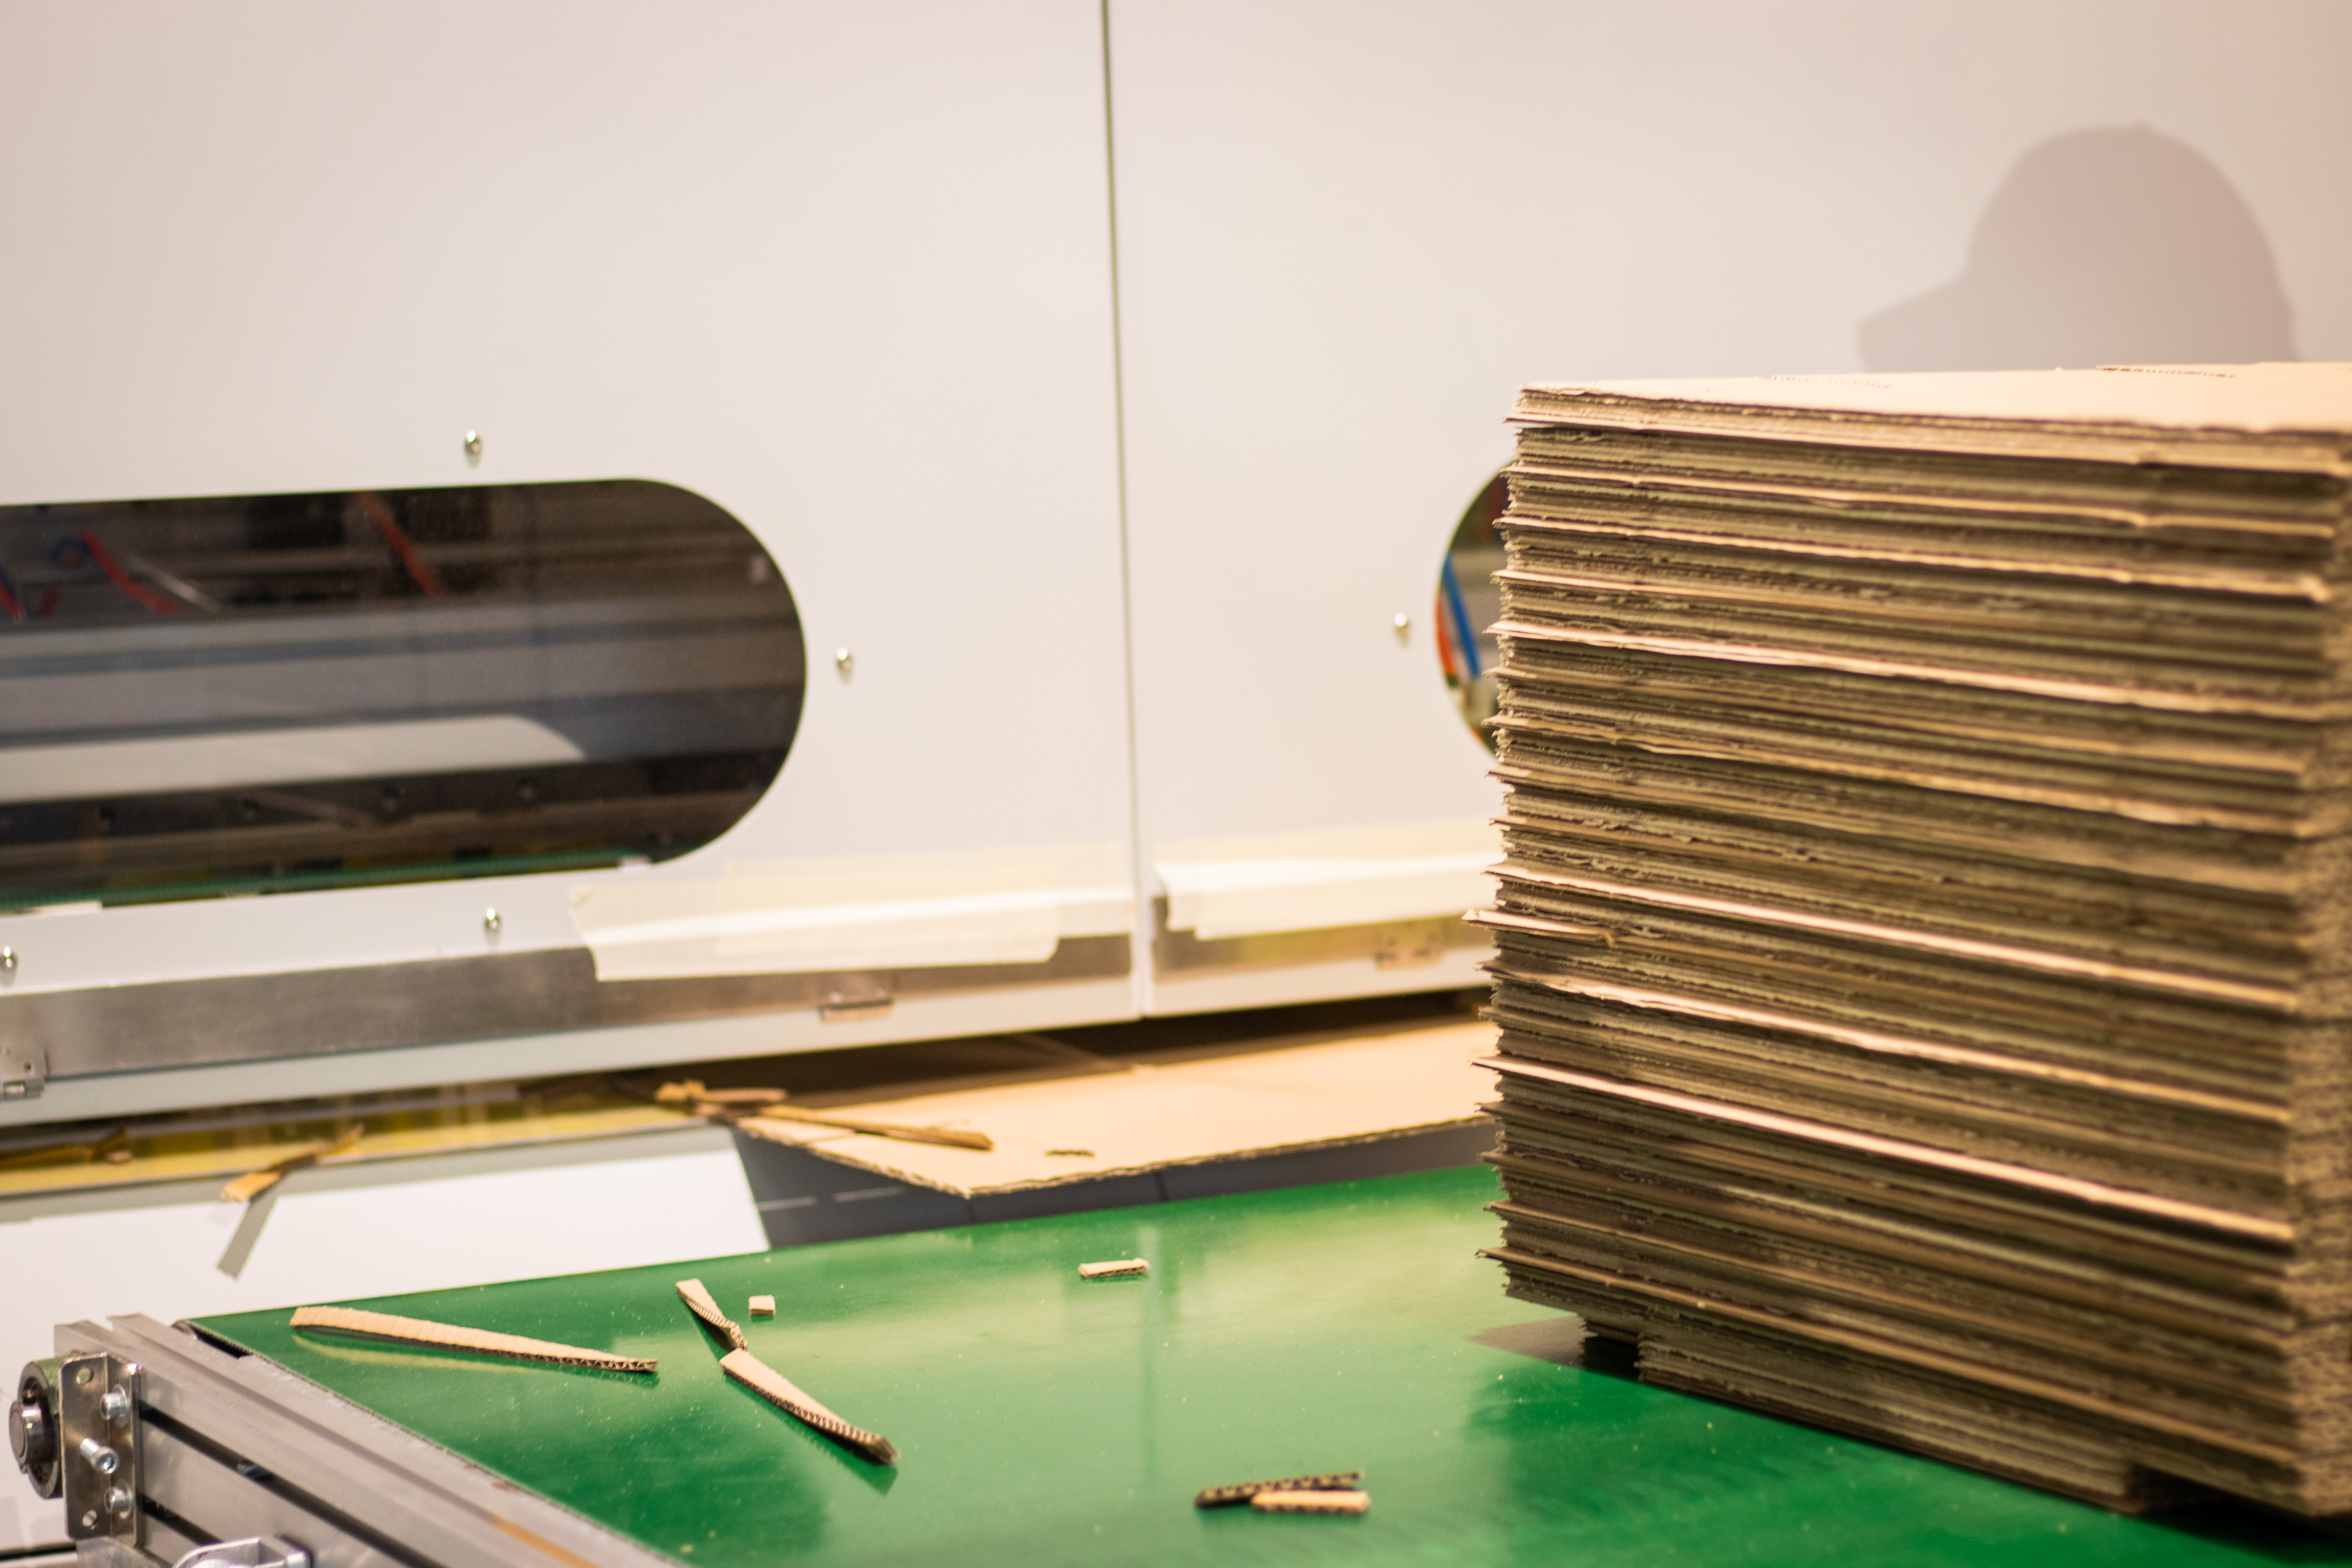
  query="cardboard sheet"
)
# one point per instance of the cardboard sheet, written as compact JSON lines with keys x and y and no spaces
{"x":1188,"y":1112}
{"x":2174,"y":410}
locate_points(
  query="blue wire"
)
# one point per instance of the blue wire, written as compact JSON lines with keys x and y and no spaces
{"x":1462,"y":631}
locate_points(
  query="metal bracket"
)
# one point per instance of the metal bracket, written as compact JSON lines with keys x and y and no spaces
{"x":256,"y":1552}
{"x":1403,"y":954}
{"x":855,"y":999}
{"x":97,"y":1448}
{"x":23,"y":1077}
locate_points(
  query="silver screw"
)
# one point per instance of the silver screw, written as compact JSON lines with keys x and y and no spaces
{"x":118,"y":1502}
{"x":116,"y":1403}
{"x":844,"y":661}
{"x":490,"y":922}
{"x":473,"y":443}
{"x":8,"y":960}
{"x":102,"y":1459}
{"x":1403,"y":624}
{"x":89,"y":1519}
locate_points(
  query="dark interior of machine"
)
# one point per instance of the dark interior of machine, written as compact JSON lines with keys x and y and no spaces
{"x":634,"y":637}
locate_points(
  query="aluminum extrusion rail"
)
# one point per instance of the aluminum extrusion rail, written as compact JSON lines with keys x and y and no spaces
{"x":229,"y":1445}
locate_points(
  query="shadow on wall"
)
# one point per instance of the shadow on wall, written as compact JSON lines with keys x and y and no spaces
{"x":2111,"y":246}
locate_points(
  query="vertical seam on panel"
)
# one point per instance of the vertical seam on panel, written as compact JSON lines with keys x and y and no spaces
{"x":1139,"y":955}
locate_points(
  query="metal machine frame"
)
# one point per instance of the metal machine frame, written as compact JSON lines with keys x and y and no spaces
{"x":169,"y":1448}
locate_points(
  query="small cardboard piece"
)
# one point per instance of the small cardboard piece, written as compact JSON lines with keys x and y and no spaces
{"x":699,"y":1301}
{"x":1311,"y":1502}
{"x":1241,"y":1492}
{"x":787,"y":1396}
{"x":253,"y":1183}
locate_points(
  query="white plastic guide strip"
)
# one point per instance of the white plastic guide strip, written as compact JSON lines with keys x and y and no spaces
{"x":310,"y":754}
{"x":883,"y":912}
{"x":1220,"y":888}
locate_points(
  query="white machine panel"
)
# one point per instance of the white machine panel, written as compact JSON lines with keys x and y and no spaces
{"x":845,"y":276}
{"x":841,"y":271}
{"x":1348,"y":232}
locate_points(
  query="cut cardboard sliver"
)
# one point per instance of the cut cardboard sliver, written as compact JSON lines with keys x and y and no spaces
{"x":1291,"y":1099}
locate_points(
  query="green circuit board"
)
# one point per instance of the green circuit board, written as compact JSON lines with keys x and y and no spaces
{"x":1045,"y":1419}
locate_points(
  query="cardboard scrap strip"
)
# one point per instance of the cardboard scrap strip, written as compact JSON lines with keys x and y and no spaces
{"x":253,"y":1183}
{"x":1312,"y":1502}
{"x":785,"y":1395}
{"x":706,"y":1307}
{"x":1226,"y":1497}
{"x":692,"y":1091}
{"x":954,"y":1138}
{"x":449,"y":1336}
{"x":1117,"y":1268}
{"x":745,"y":1108}
{"x":773,"y":1387}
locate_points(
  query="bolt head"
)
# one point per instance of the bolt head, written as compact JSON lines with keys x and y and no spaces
{"x":118,"y":1502}
{"x":28,"y":1431}
{"x":491,"y":922}
{"x":8,"y":960}
{"x":473,"y":443}
{"x":116,"y":1403}
{"x":844,"y":660}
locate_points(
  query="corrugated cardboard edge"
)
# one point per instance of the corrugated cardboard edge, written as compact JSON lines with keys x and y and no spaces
{"x":829,"y":1151}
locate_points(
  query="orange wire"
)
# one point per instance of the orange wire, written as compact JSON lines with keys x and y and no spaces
{"x":124,"y":579}
{"x":418,"y":572}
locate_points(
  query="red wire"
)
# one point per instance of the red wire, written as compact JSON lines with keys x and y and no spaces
{"x":418,"y":572}
{"x":123,"y":580}
{"x":1446,"y":659}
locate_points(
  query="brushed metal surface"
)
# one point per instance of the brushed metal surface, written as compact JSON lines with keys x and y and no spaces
{"x":237,"y":1018}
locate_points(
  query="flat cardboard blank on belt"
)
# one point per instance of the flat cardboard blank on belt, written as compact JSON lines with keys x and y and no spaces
{"x":1349,"y":1089}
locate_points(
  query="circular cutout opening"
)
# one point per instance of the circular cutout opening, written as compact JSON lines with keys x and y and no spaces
{"x":1468,"y":603}
{"x":216,"y":695}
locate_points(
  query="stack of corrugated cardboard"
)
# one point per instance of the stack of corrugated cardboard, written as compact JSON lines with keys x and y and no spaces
{"x":1922,"y":954}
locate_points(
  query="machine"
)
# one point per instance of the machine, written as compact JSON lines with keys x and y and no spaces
{"x":555,"y":540}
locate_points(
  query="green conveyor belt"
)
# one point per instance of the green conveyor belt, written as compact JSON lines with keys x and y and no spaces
{"x":1045,"y":1420}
